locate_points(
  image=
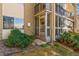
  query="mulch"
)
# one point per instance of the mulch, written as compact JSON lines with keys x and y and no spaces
{"x":6,"y":51}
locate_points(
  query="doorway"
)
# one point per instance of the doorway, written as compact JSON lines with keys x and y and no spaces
{"x":42,"y":27}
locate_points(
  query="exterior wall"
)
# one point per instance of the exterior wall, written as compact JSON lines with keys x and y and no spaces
{"x":29,"y":18}
{"x":76,"y":28}
{"x":28,"y":15}
{"x":1,"y":21}
{"x":13,"y":10}
{"x":77,"y":25}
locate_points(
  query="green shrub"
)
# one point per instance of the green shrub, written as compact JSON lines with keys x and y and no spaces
{"x":76,"y":38}
{"x":66,"y":36}
{"x":71,"y":38}
{"x":18,"y":39}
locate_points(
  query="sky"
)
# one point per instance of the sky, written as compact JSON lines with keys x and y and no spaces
{"x":77,"y":8}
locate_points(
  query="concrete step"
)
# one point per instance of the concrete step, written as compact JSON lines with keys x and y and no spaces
{"x":38,"y":42}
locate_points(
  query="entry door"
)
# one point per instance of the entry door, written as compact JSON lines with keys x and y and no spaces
{"x":42,"y":28}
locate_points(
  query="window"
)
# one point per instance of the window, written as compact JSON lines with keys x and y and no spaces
{"x":12,"y":22}
{"x":56,"y":21}
{"x":42,"y":6}
{"x":36,"y":8}
{"x":59,"y":8}
{"x":48,"y":20}
{"x":48,"y":6}
{"x":18,"y":23}
{"x":48,"y":32}
{"x":57,"y":33}
{"x":56,"y":8}
{"x":8,"y":22}
{"x":48,"y":25}
{"x":59,"y":23}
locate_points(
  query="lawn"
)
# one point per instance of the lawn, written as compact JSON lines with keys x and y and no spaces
{"x":64,"y":51}
{"x":47,"y":50}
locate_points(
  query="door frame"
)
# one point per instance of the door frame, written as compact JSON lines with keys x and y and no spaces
{"x":48,"y":38}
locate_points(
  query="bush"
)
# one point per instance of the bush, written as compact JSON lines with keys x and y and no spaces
{"x":76,"y":38}
{"x":71,"y":39}
{"x":18,"y":39}
{"x":66,"y":36}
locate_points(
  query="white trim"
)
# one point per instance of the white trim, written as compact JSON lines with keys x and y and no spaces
{"x":54,"y":23}
{"x":46,"y":25}
{"x":64,"y":17}
{"x":48,"y":38}
{"x":61,"y":28}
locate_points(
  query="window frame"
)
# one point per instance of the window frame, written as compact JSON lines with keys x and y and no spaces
{"x":7,"y":20}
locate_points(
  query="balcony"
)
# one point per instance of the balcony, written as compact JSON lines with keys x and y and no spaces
{"x":39,"y":7}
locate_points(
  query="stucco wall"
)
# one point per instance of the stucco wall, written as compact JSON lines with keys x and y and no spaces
{"x":29,"y":18}
{"x":77,"y":25}
{"x":13,"y":9}
{"x":1,"y":21}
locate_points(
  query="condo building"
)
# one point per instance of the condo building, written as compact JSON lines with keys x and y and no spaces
{"x":47,"y":21}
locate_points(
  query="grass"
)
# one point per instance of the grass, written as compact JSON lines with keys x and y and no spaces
{"x":41,"y":51}
{"x":47,"y":50}
{"x":64,"y":52}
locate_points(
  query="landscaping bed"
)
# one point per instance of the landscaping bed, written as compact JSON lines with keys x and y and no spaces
{"x":20,"y":44}
{"x":48,"y":50}
{"x":64,"y":50}
{"x":17,"y":41}
{"x":70,"y":40}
